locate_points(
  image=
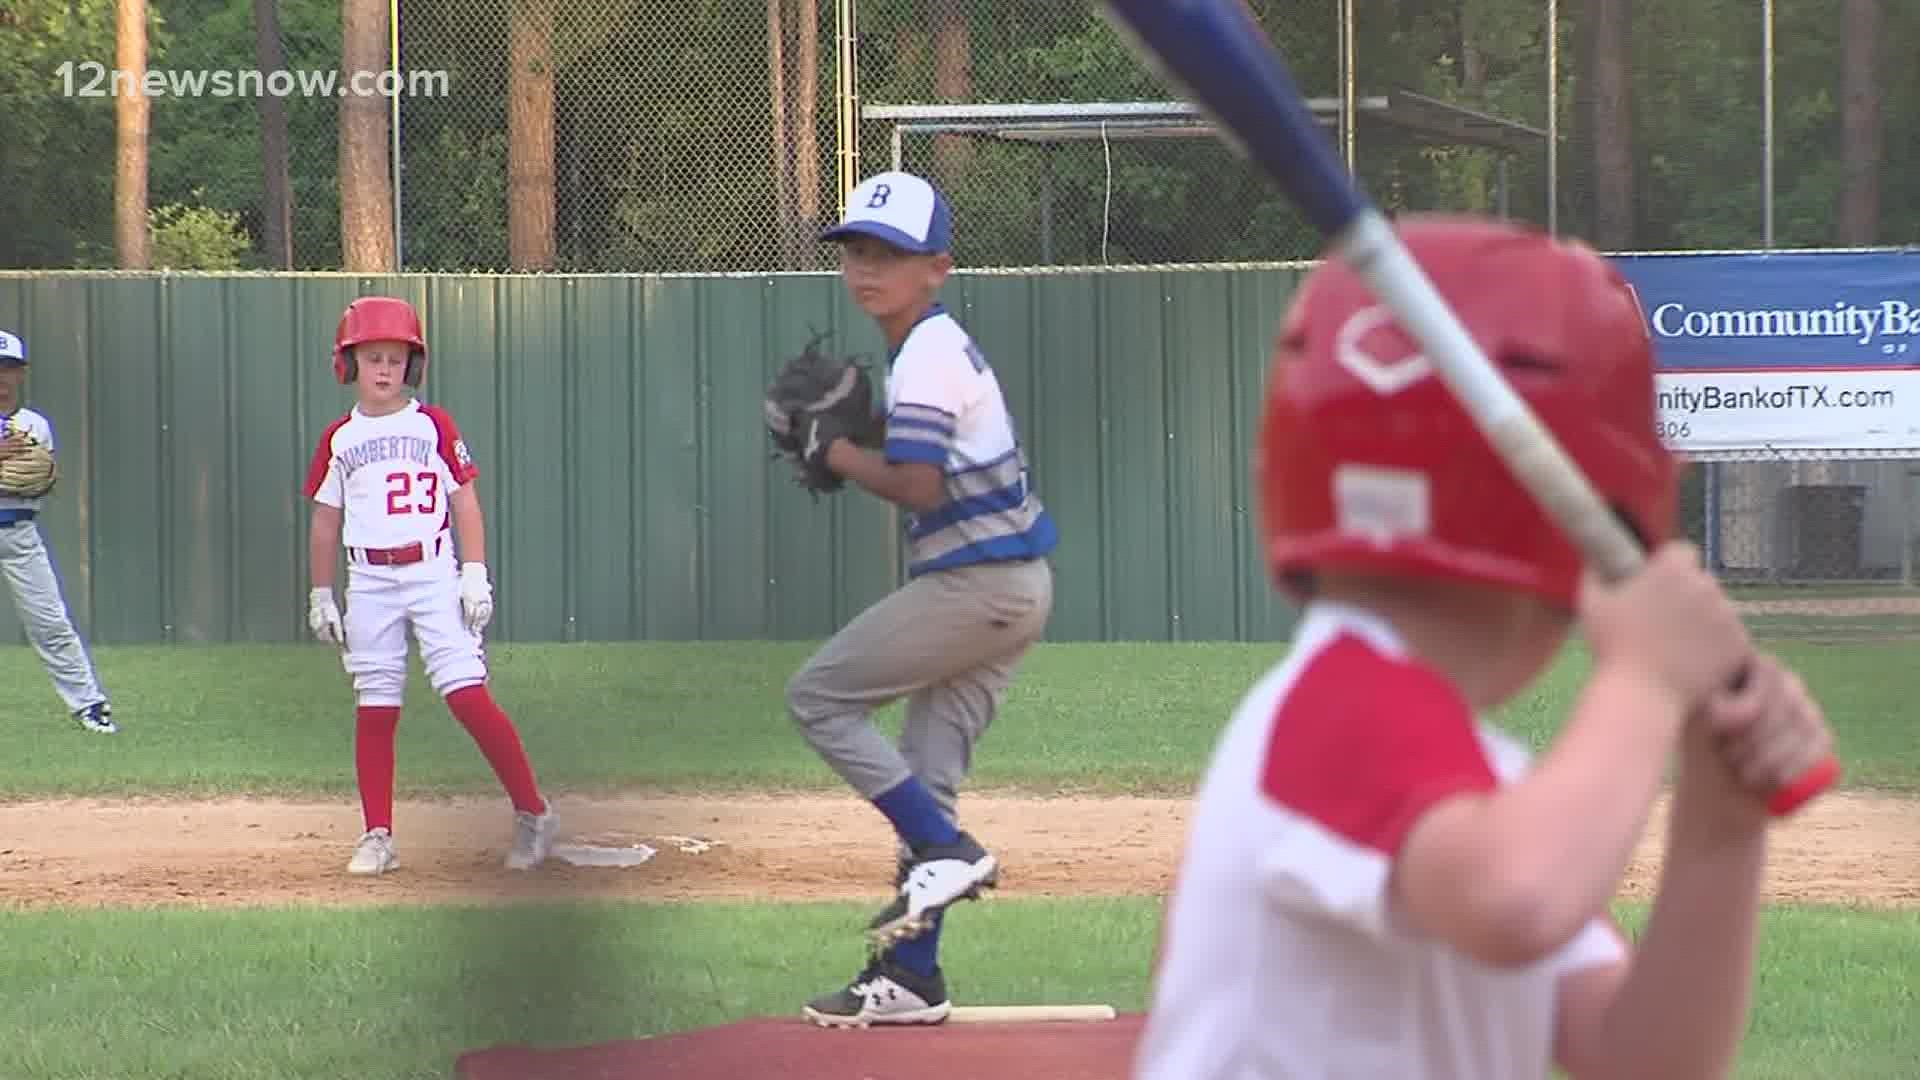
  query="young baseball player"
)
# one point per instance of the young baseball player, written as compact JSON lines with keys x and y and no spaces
{"x":1379,"y":883}
{"x":979,"y":593}
{"x":25,"y":561}
{"x":390,"y":480}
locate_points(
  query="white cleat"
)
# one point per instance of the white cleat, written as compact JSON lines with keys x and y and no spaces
{"x":532,"y":838}
{"x":938,"y":876}
{"x":98,"y":718}
{"x":375,"y":854}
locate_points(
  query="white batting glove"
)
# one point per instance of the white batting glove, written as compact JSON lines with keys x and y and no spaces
{"x":476,"y":596}
{"x":323,"y":617}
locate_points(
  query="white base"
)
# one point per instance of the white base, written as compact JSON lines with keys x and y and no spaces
{"x":1028,"y":1014}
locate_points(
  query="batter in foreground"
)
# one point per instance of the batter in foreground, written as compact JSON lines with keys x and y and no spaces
{"x":1377,"y":880}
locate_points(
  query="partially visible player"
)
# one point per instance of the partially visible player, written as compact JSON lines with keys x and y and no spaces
{"x":950,"y":640}
{"x":392,"y":480}
{"x":28,"y":566}
{"x":1377,"y":881}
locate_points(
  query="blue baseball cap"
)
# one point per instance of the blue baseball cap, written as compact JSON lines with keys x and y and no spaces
{"x":900,"y":208}
{"x":13,"y":351}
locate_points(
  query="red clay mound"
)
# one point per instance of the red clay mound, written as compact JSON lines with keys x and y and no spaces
{"x":796,"y":1050}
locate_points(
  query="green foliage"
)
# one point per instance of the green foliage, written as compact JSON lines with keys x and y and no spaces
{"x":56,"y":165}
{"x":197,"y":238}
{"x":662,"y":128}
{"x":207,"y":150}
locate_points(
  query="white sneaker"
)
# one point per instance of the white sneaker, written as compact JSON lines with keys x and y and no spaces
{"x":375,"y":853}
{"x":532,"y":838}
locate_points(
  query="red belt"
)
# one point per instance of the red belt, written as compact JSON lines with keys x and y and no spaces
{"x":400,"y":556}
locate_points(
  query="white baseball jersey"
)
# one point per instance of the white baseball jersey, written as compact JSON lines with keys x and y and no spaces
{"x":1281,"y":955}
{"x":393,"y":475}
{"x":38,"y":426}
{"x":945,"y":408}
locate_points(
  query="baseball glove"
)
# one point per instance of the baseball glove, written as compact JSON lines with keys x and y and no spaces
{"x":815,"y":399}
{"x":29,"y":471}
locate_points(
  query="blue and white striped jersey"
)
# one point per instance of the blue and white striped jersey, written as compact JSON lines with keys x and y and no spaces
{"x":945,"y":408}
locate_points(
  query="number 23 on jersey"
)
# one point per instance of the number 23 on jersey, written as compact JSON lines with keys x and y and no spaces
{"x":413,"y":493}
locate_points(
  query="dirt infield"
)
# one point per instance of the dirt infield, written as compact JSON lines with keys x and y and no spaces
{"x":1845,"y":848}
{"x":1834,"y":606}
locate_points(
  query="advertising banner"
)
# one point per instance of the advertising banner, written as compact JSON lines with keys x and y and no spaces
{"x":1761,"y":355}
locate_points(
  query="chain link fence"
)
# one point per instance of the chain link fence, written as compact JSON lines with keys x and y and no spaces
{"x":709,"y":137}
{"x":1818,"y":548}
{"x":622,"y":135}
{"x":1057,"y":147}
{"x":617,"y":135}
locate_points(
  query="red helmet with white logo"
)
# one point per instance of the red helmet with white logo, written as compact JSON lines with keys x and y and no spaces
{"x":379,"y":318}
{"x":1365,"y":461}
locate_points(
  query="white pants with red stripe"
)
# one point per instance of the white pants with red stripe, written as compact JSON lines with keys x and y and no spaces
{"x":383,"y":603}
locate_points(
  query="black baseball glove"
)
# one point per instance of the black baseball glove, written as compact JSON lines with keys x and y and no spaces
{"x":815,"y":399}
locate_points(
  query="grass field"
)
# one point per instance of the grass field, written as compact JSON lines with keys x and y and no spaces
{"x":398,"y":991}
{"x":708,"y":717}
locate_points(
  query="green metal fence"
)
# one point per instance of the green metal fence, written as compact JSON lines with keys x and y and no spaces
{"x":624,"y":466}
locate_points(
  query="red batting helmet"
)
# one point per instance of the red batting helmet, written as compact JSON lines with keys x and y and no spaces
{"x":379,"y":318}
{"x":1367,"y":463}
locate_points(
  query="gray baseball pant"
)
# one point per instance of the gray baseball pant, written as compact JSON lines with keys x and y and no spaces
{"x":949,"y":642}
{"x":43,"y":611}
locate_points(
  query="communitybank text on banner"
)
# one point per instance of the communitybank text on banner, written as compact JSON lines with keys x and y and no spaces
{"x":1761,"y":355}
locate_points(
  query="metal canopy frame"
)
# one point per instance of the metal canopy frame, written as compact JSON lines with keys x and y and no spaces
{"x":1423,"y":116}
{"x":1050,"y":124}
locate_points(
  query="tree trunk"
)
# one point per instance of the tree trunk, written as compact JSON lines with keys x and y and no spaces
{"x":806,"y":132}
{"x":909,"y":48}
{"x":1860,"y":125}
{"x":1611,"y":121}
{"x":131,"y":234}
{"x":366,"y":191}
{"x":530,"y":154}
{"x":952,"y":82}
{"x":1473,"y":56}
{"x":276,"y":211}
{"x":1476,"y":187}
{"x":777,"y":144}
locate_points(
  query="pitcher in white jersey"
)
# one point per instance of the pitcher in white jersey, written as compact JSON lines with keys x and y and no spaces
{"x":27,"y":565}
{"x":979,"y":592}
{"x":392,"y":483}
{"x":1376,"y":883}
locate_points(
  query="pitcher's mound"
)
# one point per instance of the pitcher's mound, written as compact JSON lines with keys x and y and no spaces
{"x":796,"y":1050}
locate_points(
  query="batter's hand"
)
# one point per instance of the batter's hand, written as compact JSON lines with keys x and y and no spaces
{"x":1672,"y":623}
{"x":476,"y":596}
{"x":323,"y":618}
{"x":1770,"y":731}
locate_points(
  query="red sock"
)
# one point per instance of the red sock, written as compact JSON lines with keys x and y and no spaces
{"x":499,"y":742}
{"x":373,"y":731}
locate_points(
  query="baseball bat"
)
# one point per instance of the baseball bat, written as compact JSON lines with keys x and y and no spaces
{"x":1217,"y":53}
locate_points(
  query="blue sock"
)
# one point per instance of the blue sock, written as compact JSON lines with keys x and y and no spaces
{"x":915,"y":816}
{"x":921,"y":955}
